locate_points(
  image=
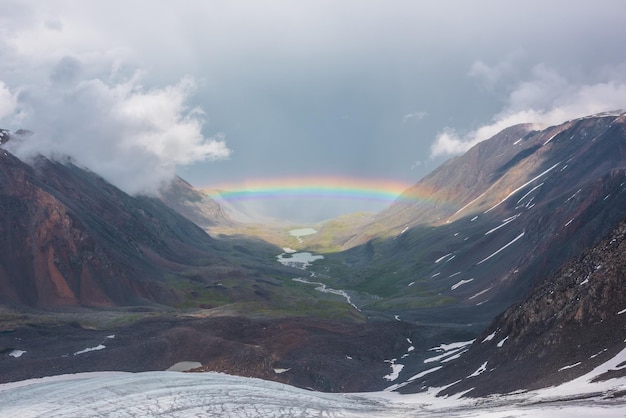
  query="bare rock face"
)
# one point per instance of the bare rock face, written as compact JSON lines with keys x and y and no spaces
{"x":323,"y":355}
{"x":571,"y":323}
{"x":69,"y":238}
{"x":51,"y":256}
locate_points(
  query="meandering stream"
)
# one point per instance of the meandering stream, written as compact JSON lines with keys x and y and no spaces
{"x":303,"y":260}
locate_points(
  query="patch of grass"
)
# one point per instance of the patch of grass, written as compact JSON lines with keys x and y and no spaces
{"x":404,"y":303}
{"x":312,"y":308}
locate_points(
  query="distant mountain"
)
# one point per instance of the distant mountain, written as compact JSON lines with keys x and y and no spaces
{"x":455,"y":185}
{"x":69,"y":238}
{"x":571,"y":323}
{"x":195,"y":205}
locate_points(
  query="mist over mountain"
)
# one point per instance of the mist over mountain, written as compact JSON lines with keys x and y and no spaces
{"x":72,"y":239}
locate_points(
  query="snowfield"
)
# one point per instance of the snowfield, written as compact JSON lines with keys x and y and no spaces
{"x":175,"y":394}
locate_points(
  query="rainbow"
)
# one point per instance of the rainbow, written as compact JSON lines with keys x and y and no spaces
{"x":375,"y":190}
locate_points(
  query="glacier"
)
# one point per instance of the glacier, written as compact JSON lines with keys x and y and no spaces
{"x":176,"y":394}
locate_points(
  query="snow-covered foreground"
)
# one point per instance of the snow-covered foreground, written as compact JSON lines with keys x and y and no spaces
{"x":175,"y":394}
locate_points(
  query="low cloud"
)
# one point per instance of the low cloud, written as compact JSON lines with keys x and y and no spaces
{"x":547,"y":98}
{"x":131,"y":135}
{"x":7,"y":101}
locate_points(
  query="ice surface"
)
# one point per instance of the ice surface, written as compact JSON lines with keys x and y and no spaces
{"x":522,"y":186}
{"x":529,"y":192}
{"x":480,"y":370}
{"x":550,"y":139}
{"x":451,"y":346}
{"x":460,"y":283}
{"x":17,"y":353}
{"x":597,"y":354}
{"x":174,"y":394}
{"x":502,"y":341}
{"x":86,"y":350}
{"x":501,"y":249}
{"x":573,"y":196}
{"x":444,"y":355}
{"x":468,"y":204}
{"x":480,"y":293}
{"x":395,"y":371}
{"x":570,"y":366}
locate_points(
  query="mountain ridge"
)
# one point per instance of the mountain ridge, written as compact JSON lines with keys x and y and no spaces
{"x":571,"y":194}
{"x":72,"y":239}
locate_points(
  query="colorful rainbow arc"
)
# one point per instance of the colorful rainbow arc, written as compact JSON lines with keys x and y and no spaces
{"x":314,"y":188}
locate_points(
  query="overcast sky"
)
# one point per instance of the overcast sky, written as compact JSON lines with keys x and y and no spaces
{"x":227,"y":91}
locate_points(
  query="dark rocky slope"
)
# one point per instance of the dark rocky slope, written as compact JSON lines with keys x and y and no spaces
{"x":69,"y":238}
{"x":322,"y":355}
{"x":569,"y":324}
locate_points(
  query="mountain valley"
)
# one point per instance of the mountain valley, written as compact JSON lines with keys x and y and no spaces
{"x":506,"y":263}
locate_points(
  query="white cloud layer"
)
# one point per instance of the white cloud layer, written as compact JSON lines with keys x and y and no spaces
{"x":85,"y":95}
{"x":547,"y":98}
{"x":132,"y":136}
{"x":7,"y":101}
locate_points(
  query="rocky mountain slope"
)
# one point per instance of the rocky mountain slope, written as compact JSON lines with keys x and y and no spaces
{"x":329,"y":356}
{"x":571,"y":323}
{"x":71,"y":239}
{"x":536,"y":199}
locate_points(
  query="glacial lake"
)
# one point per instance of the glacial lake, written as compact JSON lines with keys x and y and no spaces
{"x":302,"y":232}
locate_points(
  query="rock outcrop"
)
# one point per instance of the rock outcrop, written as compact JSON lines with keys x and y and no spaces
{"x":569,"y":324}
